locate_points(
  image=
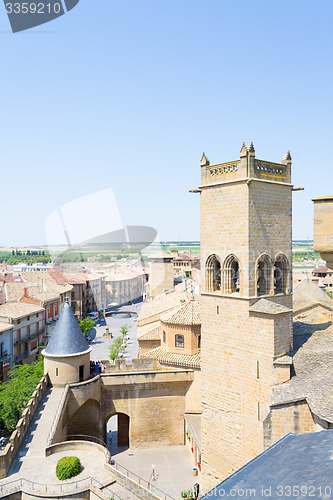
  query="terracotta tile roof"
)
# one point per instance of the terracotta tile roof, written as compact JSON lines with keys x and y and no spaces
{"x":143,"y":330}
{"x":186,"y":257}
{"x":50,"y":284}
{"x":170,"y":358}
{"x":187,"y":314}
{"x":162,"y":303}
{"x":18,"y":310}
{"x":14,"y":291}
{"x":57,"y":275}
{"x":151,"y":335}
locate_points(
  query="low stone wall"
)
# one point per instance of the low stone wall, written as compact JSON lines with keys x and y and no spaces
{"x":138,"y":364}
{"x":78,"y":445}
{"x":8,"y":454}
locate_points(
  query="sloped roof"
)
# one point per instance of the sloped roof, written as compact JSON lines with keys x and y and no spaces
{"x":19,"y":310}
{"x":149,"y":332}
{"x":265,"y":306}
{"x":296,"y":461}
{"x":313,"y":363}
{"x":162,"y":303}
{"x":163,"y":356}
{"x":187,"y":314}
{"x":151,"y":335}
{"x":67,"y":338}
{"x":307,"y":294}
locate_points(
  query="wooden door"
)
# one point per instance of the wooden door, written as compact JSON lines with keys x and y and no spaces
{"x":123,"y":429}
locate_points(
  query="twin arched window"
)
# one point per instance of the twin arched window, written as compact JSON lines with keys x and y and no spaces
{"x":231,"y":274}
{"x":272,"y":277}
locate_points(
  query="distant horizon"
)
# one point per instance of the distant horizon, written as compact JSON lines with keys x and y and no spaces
{"x":166,"y":242}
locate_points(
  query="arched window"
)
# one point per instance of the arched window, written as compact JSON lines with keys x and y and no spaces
{"x":179,"y":340}
{"x":213,"y":274}
{"x":281,"y":273}
{"x":164,"y":337}
{"x":264,"y":275}
{"x":231,"y":275}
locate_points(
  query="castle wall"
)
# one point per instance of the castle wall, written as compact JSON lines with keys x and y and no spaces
{"x":155,"y":401}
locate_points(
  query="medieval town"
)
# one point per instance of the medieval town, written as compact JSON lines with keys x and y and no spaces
{"x":199,"y":373}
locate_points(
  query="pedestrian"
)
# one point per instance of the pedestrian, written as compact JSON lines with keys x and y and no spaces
{"x":196,"y":489}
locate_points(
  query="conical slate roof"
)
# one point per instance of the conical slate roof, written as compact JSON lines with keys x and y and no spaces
{"x":67,"y":338}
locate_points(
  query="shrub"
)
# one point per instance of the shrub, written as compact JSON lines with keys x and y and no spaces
{"x":68,"y":467}
{"x":187,"y":494}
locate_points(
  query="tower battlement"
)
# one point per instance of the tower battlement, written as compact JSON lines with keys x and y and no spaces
{"x":247,"y":167}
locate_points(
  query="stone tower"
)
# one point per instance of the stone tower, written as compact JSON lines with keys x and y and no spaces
{"x":67,"y":355}
{"x":161,"y":273}
{"x":246,"y":255}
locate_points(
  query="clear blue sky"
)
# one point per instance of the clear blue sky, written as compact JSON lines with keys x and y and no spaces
{"x":128,"y":94}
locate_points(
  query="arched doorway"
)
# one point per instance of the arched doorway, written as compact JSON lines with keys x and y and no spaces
{"x":117,"y":430}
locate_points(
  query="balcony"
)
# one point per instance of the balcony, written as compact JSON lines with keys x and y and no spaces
{"x":22,"y":355}
{"x":32,"y":336}
{"x":323,"y":228}
{"x":4,"y":356}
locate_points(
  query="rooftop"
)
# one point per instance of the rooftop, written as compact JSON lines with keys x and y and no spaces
{"x":186,"y":314}
{"x":313,"y":364}
{"x":163,"y":356}
{"x":18,"y":310}
{"x":307,"y":294}
{"x":150,"y":331}
{"x":297,"y":461}
{"x":67,"y":338}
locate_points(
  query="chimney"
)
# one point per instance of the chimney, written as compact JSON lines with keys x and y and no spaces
{"x":26,"y":292}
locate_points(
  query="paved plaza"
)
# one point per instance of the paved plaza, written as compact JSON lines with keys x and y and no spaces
{"x":100,"y":344}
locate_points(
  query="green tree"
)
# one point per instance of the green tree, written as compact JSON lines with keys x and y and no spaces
{"x":115,"y":347}
{"x":86,"y":325}
{"x":124,"y":329}
{"x":15,"y":394}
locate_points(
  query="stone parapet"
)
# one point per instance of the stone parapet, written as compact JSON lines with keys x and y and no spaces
{"x":8,"y":454}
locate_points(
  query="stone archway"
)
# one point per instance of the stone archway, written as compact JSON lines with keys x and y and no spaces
{"x":119,"y":429}
{"x":86,"y":420}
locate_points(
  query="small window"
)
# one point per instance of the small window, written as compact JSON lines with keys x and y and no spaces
{"x":217,"y":309}
{"x":37,"y":315}
{"x":199,"y":341}
{"x":57,"y":372}
{"x":179,"y":341}
{"x":18,"y":321}
{"x":164,"y":337}
{"x":28,"y":318}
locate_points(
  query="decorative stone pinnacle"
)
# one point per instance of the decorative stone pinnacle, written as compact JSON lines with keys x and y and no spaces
{"x":243,"y":150}
{"x":287,"y":157}
{"x":204,"y":160}
{"x":251,"y":148}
